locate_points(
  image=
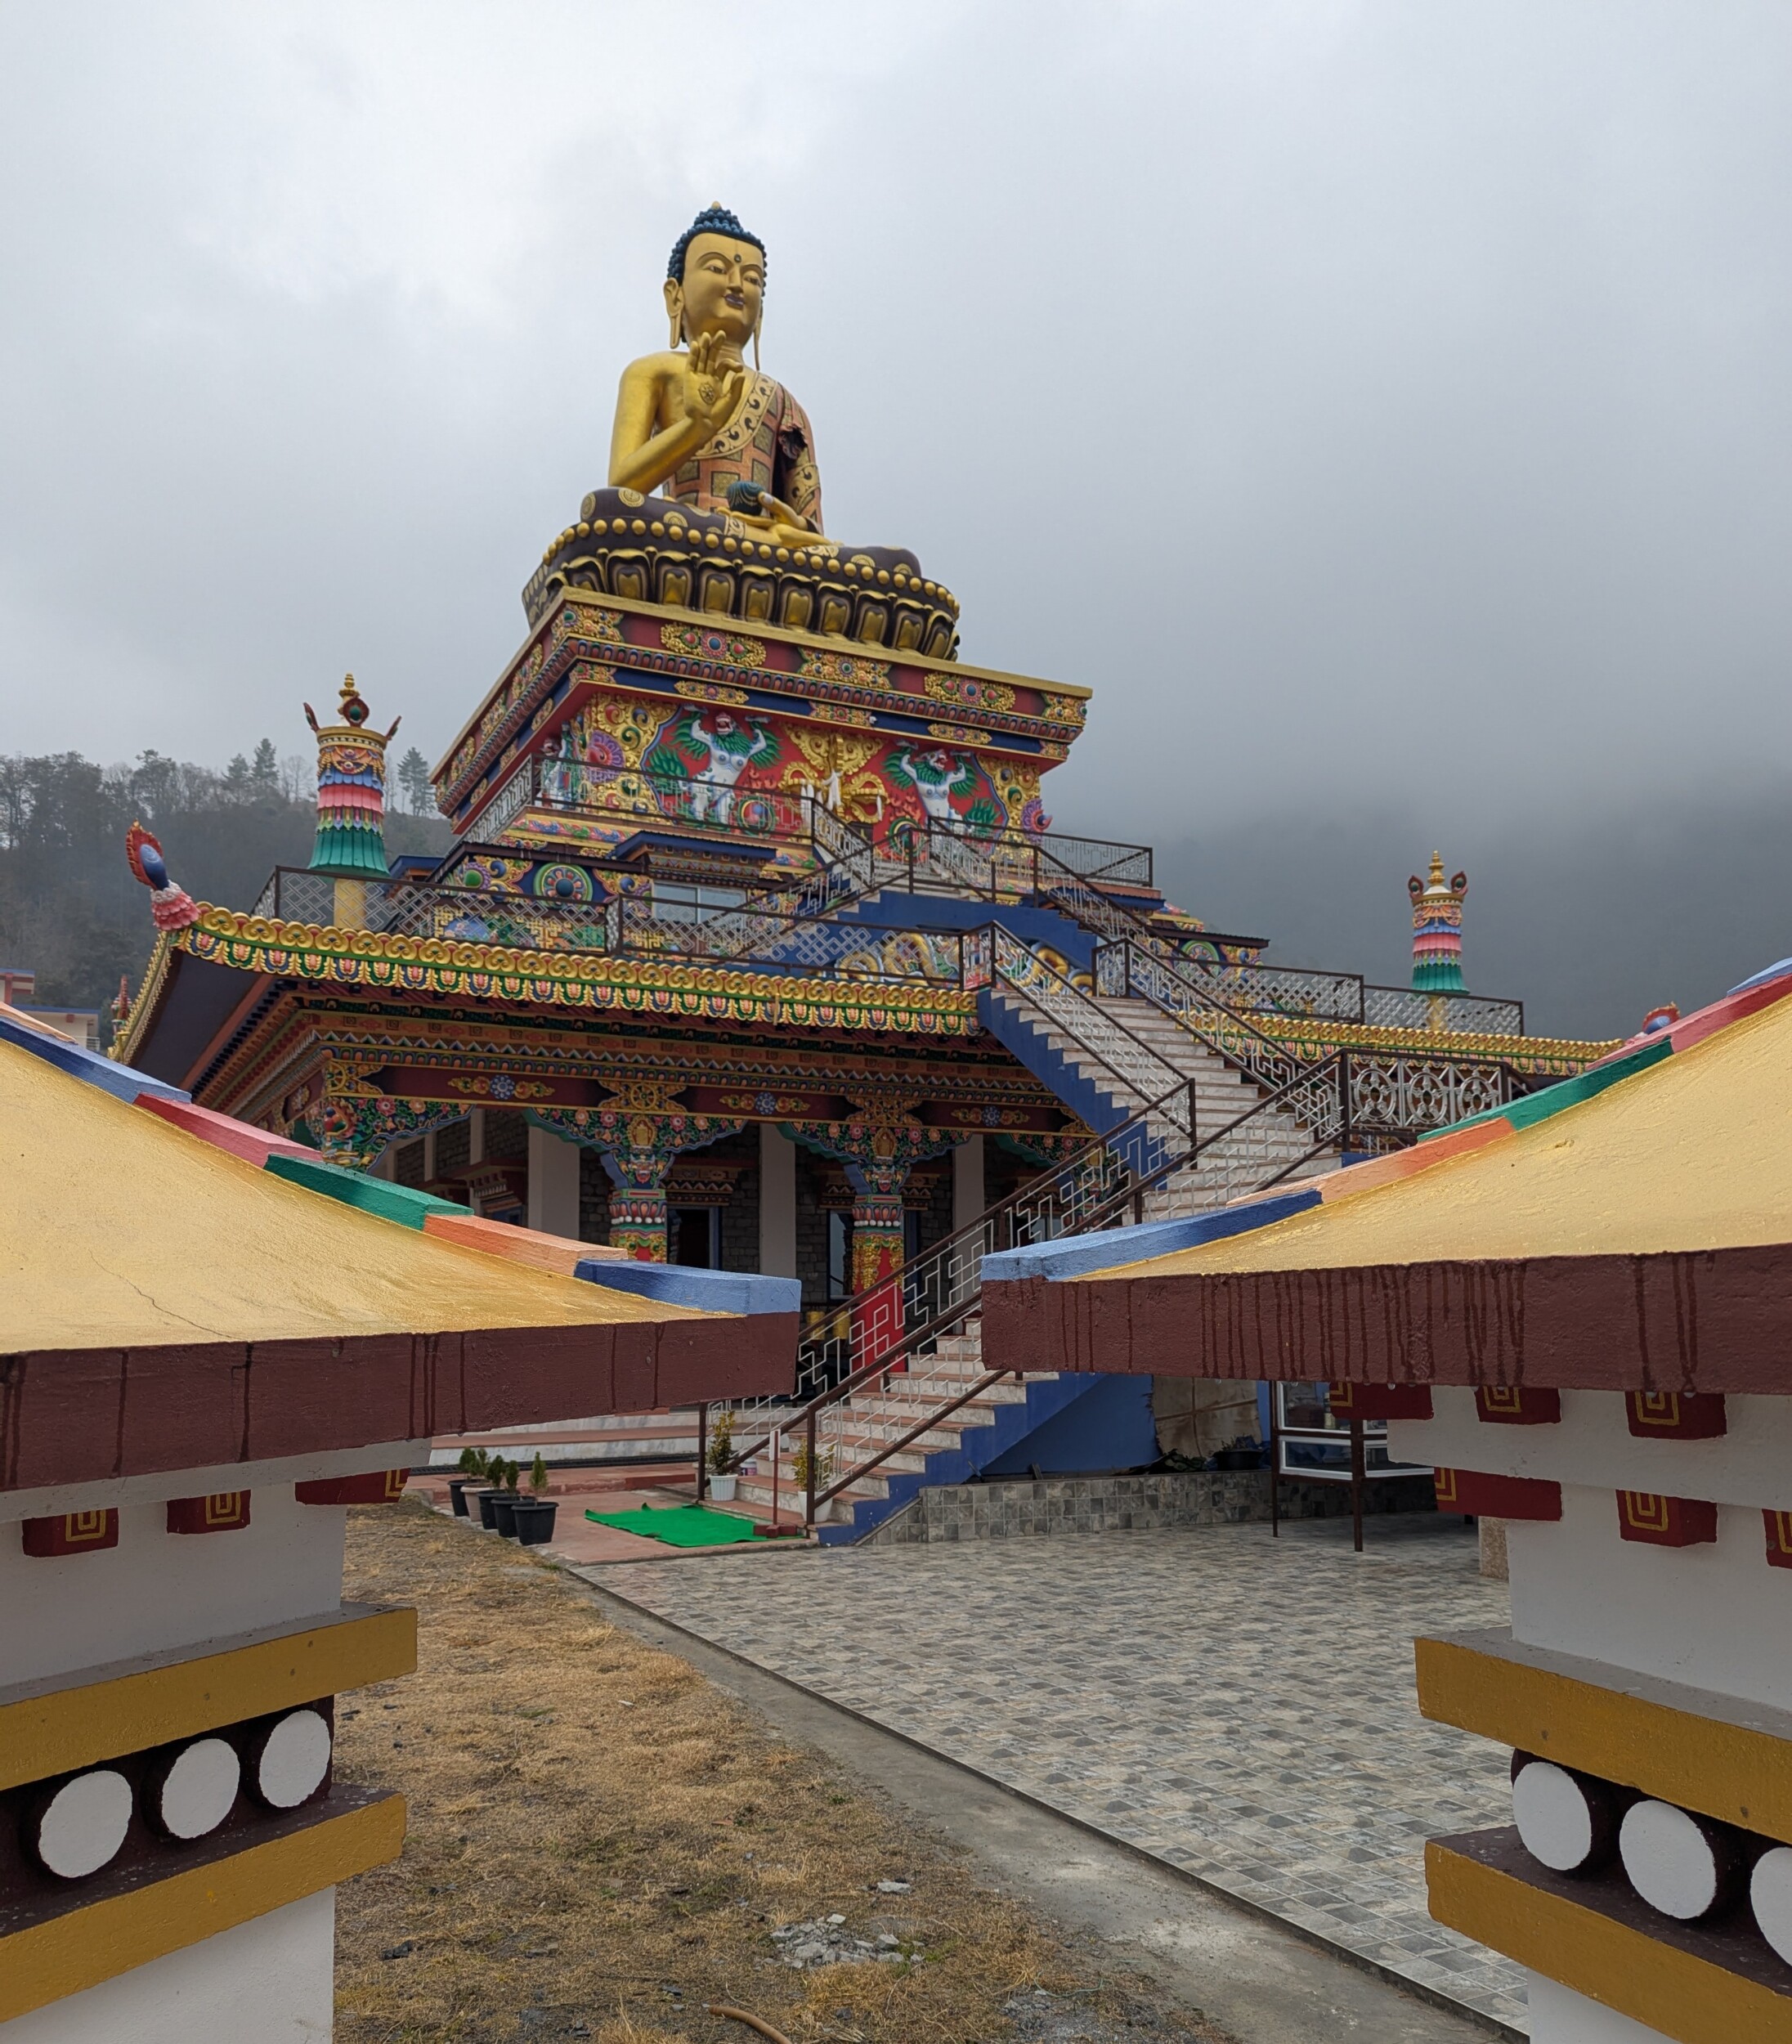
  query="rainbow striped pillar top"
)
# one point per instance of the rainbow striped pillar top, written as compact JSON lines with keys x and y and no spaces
{"x":1437,"y":929}
{"x":351,"y":793}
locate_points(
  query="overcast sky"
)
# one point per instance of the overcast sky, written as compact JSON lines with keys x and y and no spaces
{"x":1384,"y":407}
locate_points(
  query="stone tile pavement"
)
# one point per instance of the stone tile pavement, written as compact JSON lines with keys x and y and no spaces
{"x":1241,"y":1707}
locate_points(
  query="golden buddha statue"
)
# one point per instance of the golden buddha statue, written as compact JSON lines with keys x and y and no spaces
{"x":714,"y":498}
{"x":730,"y":438}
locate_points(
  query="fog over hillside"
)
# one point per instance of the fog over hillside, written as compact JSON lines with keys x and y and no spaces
{"x":1382,"y":406}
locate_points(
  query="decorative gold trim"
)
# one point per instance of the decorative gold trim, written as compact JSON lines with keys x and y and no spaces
{"x":1533,"y":1052}
{"x":148,"y":993}
{"x":611,"y":609}
{"x":322,"y":954}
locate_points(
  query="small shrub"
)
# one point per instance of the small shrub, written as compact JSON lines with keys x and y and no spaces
{"x":721,"y":1455}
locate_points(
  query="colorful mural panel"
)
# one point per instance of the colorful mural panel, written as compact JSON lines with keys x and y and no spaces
{"x":712,"y":762}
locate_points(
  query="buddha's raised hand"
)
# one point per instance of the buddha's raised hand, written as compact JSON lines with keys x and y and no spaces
{"x":708,"y":394}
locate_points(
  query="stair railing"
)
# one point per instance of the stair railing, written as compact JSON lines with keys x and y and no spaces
{"x":845,"y":868}
{"x":1251,"y":1154}
{"x":1126,"y":1059}
{"x":1127,"y":969}
{"x":934,"y":1290}
{"x":1347,"y":1101}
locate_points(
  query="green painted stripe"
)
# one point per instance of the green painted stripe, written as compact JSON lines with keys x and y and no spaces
{"x":349,"y":851}
{"x":1567,"y":1093}
{"x":372,"y":1195}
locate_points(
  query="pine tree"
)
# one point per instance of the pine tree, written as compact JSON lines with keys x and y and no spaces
{"x":264,"y":768}
{"x":414,"y":779}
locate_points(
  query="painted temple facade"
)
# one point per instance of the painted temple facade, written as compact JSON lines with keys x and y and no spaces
{"x":756,"y":946}
{"x":712,"y":970}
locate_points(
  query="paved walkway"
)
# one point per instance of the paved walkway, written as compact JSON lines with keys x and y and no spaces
{"x":1240,"y":1707}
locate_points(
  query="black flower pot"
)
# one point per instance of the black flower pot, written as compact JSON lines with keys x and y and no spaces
{"x":457,"y":1491}
{"x":486,"y":1500}
{"x":534,"y":1520}
{"x":503,"y":1507}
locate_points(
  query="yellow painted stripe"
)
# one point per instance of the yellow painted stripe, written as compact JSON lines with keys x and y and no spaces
{"x":1685,"y":1998}
{"x":1722,"y":1770}
{"x":44,"y":1962}
{"x":48,"y":1734}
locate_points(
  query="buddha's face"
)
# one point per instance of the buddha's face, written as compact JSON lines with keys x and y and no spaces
{"x":724,"y":281}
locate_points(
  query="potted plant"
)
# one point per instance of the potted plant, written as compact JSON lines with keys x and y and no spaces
{"x":472,"y":1470}
{"x":533,"y":1515}
{"x":722,"y":1476}
{"x":487,"y":1499}
{"x":504,"y":1504}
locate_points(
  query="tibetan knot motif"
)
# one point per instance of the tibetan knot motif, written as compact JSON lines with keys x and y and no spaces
{"x":655,"y":550}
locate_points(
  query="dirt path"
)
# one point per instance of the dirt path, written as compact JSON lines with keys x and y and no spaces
{"x":601,"y":1843}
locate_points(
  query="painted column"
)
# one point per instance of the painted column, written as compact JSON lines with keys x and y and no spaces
{"x":1437,"y":929}
{"x":351,"y":841}
{"x":968,"y":1200}
{"x":877,"y":1157}
{"x":554,"y":1182}
{"x":638,"y":1139}
{"x":877,"y":1222}
{"x":777,"y":1203}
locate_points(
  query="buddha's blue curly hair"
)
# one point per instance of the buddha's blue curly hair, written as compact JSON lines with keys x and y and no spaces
{"x":712,"y":220}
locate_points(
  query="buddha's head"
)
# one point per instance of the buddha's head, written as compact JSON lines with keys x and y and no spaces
{"x":715,"y":280}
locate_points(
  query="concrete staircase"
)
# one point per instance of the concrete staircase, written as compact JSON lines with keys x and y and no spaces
{"x":1108,"y":1085}
{"x":951,"y":1451}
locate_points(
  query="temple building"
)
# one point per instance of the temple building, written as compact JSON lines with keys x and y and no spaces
{"x":756,"y":948}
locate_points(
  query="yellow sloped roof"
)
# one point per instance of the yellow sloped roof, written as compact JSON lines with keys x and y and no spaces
{"x":119,"y":1231}
{"x":1693,"y":1153}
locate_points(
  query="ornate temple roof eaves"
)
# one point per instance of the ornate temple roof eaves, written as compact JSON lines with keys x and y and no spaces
{"x":410,"y":966}
{"x":1563,"y":1056}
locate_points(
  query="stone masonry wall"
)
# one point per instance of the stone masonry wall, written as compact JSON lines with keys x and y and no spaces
{"x":1054,"y":1505}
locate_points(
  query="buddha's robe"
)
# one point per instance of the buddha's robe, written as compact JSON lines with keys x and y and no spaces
{"x":767,"y":441}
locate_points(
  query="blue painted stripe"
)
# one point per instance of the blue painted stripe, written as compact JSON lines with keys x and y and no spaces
{"x":1080,"y":1092}
{"x":107,"y":1074}
{"x":1084,"y":1254}
{"x":738,"y":1292}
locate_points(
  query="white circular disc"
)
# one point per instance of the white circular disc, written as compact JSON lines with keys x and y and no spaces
{"x":1770,"y":1891}
{"x":201,"y":1787}
{"x":294,"y":1760}
{"x":84,"y":1823}
{"x":1669,"y":1859}
{"x":1550,"y":1808}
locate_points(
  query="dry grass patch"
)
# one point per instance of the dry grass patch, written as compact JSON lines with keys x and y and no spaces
{"x":601,"y":1843}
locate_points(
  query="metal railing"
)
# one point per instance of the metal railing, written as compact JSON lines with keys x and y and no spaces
{"x":798,"y":940}
{"x":894,"y":1342}
{"x":1442,"y":1014}
{"x":1347,"y":997}
{"x":874,"y":1343}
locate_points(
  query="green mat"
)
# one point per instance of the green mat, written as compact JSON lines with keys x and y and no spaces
{"x":679,"y":1525}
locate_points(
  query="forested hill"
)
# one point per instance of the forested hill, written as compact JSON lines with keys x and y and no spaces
{"x":68,"y":907}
